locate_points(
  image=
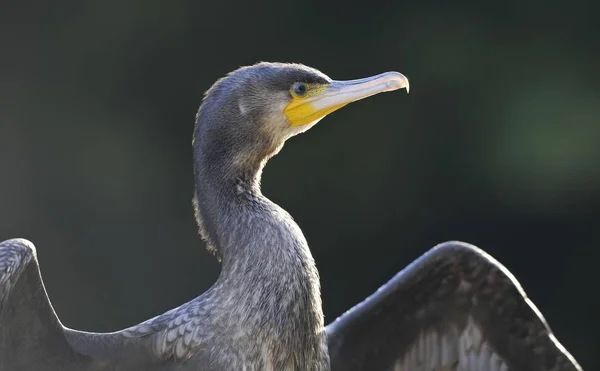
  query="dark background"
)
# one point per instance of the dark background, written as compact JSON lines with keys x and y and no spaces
{"x":497,"y":145}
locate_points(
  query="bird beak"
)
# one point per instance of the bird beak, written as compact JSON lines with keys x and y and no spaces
{"x":315,"y":106}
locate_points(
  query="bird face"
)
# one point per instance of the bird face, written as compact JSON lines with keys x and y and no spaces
{"x":254,"y":109}
{"x":287,"y":99}
{"x":311,"y":102}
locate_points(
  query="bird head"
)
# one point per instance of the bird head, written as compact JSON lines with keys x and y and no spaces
{"x":254,"y":109}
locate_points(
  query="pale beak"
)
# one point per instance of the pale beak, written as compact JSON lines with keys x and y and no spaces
{"x":337,"y":94}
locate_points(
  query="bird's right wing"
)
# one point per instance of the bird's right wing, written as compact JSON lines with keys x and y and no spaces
{"x":453,"y":309}
{"x":31,"y":336}
{"x":33,"y":339}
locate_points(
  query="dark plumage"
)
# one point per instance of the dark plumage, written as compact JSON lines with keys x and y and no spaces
{"x":455,"y":308}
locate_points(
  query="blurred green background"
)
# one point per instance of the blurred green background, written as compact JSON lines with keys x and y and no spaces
{"x":498,"y":144}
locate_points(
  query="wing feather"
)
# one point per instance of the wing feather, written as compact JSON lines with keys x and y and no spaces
{"x":31,"y":336}
{"x":454,"y":308}
{"x":177,"y":333}
{"x":15,"y":255}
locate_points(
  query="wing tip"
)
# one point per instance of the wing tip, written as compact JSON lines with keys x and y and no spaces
{"x":18,"y":245}
{"x":15,"y":256}
{"x":467,"y":249}
{"x":456,"y":245}
{"x":18,"y":242}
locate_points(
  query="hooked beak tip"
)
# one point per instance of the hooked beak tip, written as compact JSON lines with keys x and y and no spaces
{"x":398,"y":81}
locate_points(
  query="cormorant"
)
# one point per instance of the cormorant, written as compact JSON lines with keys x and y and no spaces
{"x":455,"y":308}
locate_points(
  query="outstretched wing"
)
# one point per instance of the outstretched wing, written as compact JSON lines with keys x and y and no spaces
{"x":31,"y":336}
{"x":454,"y":308}
{"x":33,"y":339}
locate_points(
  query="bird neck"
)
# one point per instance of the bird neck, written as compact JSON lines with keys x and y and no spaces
{"x":237,"y":221}
{"x":268,"y":274}
{"x":227,"y":192}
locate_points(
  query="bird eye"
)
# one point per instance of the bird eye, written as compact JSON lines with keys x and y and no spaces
{"x":299,"y":89}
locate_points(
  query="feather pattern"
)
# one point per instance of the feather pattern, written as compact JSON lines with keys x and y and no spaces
{"x":176,"y":333}
{"x":455,"y":308}
{"x":15,"y":255}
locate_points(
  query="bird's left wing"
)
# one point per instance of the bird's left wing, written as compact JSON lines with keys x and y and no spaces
{"x":454,"y":308}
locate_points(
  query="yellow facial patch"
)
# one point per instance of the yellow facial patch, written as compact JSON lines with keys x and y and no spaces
{"x":303,"y":109}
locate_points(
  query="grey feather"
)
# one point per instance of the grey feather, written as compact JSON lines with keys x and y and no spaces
{"x":456,"y":293}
